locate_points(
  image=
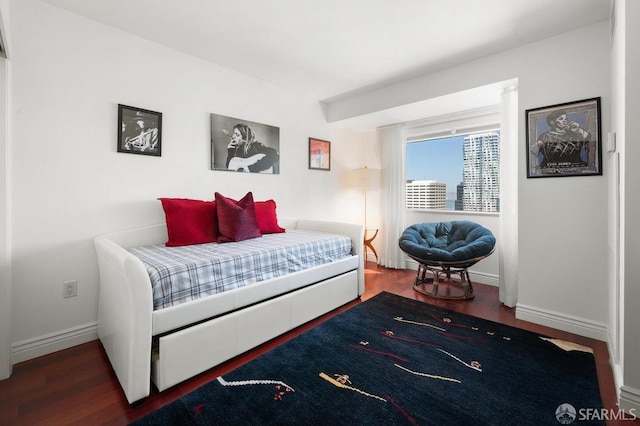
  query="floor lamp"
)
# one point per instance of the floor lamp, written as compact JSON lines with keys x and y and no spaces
{"x":367,"y":179}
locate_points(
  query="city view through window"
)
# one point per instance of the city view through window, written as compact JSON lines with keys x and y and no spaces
{"x":460,"y":172}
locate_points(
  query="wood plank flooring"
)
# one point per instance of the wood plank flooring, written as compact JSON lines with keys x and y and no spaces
{"x":77,"y":385}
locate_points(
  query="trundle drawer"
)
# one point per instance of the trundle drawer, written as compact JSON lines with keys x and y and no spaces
{"x":313,"y":301}
{"x":188,"y":352}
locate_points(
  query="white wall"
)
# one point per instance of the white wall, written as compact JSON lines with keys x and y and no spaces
{"x":5,"y":220}
{"x":615,"y":181}
{"x":70,"y":184}
{"x":562,"y":221}
{"x":627,"y":97}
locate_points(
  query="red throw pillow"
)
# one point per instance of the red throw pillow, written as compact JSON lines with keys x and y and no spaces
{"x":189,"y":221}
{"x":267,"y":218}
{"x":236,"y":221}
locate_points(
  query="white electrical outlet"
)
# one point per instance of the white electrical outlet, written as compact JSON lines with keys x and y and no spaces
{"x":70,"y":289}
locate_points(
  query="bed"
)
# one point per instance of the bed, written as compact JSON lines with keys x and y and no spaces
{"x":175,"y":341}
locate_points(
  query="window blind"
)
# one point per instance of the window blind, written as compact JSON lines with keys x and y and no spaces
{"x":465,"y":122}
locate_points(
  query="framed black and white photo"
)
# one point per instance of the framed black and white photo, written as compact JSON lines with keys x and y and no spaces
{"x":139,"y":131}
{"x":244,"y":146}
{"x":564,"y":139}
{"x":319,"y":154}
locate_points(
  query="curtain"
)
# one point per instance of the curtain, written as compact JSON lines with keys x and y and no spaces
{"x":392,"y":143}
{"x":508,"y":270}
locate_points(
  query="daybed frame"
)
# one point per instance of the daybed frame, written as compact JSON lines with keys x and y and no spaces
{"x":190,"y":338}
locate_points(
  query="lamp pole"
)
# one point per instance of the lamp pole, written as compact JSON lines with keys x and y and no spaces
{"x":368,"y":179}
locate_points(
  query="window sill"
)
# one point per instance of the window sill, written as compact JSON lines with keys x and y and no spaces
{"x":452,"y":212}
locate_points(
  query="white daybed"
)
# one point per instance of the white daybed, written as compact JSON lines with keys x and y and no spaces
{"x":192,"y":337}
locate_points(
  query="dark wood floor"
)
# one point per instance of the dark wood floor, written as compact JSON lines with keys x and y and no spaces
{"x":77,"y":385}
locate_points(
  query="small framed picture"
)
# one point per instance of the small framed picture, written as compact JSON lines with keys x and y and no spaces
{"x":139,"y":131}
{"x":564,"y":140}
{"x":319,"y":154}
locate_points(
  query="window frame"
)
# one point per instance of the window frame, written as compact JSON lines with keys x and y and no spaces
{"x":479,"y":120}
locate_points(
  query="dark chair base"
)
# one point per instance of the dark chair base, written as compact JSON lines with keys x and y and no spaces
{"x":441,"y":285}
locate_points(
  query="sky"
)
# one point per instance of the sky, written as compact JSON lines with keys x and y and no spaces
{"x":437,"y":159}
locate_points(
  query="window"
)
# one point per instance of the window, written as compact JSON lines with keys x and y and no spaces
{"x":454,"y":172}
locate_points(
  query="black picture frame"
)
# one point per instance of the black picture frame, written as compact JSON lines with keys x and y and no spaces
{"x":319,"y":154}
{"x":564,"y":139}
{"x":139,"y":131}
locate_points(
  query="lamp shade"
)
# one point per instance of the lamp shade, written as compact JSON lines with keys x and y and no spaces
{"x":366,"y":178}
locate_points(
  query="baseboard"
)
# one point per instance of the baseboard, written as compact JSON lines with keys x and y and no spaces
{"x":629,"y":400}
{"x":560,"y":321}
{"x":53,"y":342}
{"x":616,"y":368}
{"x":476,"y":277}
{"x":482,"y":278}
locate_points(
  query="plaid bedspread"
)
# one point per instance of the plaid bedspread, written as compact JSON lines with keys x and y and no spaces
{"x":181,"y":274}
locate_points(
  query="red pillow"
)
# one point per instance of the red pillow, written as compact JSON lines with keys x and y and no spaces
{"x":267,"y":218}
{"x":189,"y":221}
{"x":236,"y":221}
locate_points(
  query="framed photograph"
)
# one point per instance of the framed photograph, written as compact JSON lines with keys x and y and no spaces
{"x":240,"y":145}
{"x":139,"y":131}
{"x":319,"y":154}
{"x":564,"y":140}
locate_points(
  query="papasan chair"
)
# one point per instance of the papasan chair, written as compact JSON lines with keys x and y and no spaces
{"x":445,"y":249}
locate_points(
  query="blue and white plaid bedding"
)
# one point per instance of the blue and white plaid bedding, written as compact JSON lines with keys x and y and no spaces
{"x":181,"y":274}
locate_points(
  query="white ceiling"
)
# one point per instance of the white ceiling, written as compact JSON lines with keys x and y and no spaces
{"x":332,"y":48}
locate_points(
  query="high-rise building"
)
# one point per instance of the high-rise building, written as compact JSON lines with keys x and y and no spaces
{"x":459,"y":196}
{"x":426,"y":194}
{"x":481,"y":172}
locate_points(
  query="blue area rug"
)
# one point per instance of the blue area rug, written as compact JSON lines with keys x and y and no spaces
{"x":393,"y":360}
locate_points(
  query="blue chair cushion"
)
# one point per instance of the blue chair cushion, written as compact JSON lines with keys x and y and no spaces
{"x":453,"y":241}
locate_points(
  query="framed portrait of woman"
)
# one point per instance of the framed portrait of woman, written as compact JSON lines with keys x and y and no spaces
{"x":240,"y":145}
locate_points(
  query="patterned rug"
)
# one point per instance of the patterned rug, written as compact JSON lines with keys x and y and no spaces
{"x":393,"y":360}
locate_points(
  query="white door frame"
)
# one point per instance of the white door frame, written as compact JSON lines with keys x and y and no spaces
{"x":5,"y":233}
